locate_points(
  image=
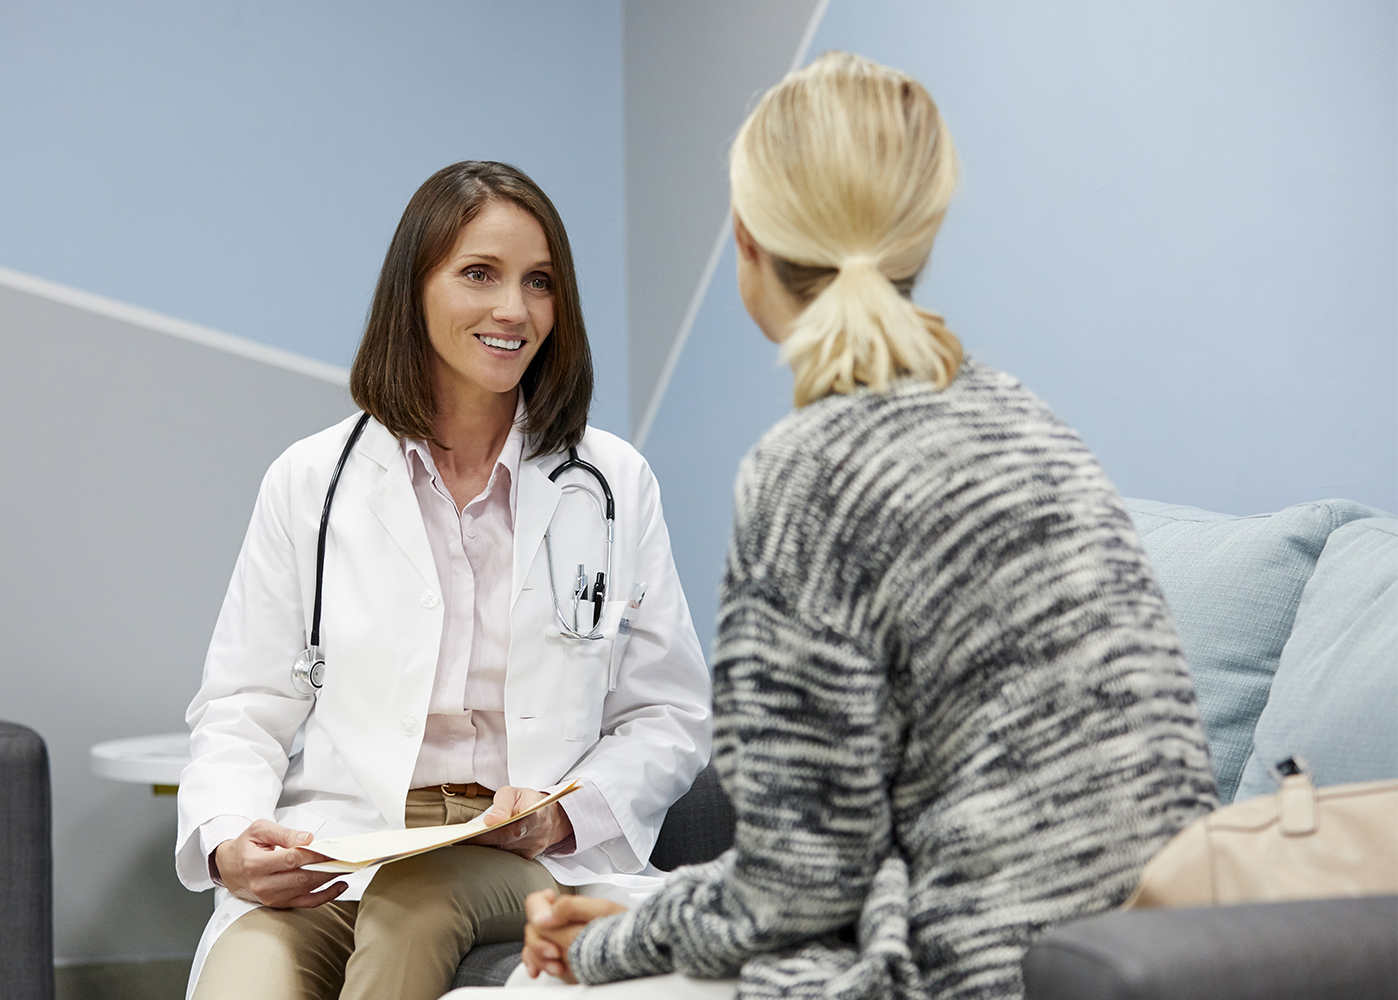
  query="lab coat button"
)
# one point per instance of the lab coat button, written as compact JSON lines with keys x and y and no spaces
{"x":429,"y":599}
{"x":408,"y":726}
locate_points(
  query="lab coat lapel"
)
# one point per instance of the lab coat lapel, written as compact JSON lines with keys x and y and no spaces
{"x":395,"y":504}
{"x":535,"y":503}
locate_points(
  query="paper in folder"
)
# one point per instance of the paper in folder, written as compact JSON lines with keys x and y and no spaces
{"x":360,"y":850}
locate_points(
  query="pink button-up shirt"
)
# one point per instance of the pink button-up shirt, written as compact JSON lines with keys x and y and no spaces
{"x":464,"y":738}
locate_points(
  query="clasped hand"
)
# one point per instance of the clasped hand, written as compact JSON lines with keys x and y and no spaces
{"x":553,"y":922}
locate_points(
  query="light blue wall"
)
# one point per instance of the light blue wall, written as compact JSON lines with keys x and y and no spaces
{"x":727,"y":389}
{"x":1179,"y":225}
{"x":242,"y":166}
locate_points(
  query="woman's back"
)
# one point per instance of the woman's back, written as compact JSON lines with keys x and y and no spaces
{"x":940,"y":642}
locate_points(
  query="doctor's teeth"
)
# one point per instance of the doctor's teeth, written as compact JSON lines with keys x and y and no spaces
{"x":509,"y":345}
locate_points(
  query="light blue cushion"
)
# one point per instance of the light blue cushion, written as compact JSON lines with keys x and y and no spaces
{"x":1335,"y":697}
{"x":1233,"y":585}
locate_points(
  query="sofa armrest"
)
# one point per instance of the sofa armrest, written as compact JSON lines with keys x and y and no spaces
{"x":1308,"y":950}
{"x":26,"y":866}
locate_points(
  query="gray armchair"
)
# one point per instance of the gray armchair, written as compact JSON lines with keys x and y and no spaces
{"x":26,"y":867}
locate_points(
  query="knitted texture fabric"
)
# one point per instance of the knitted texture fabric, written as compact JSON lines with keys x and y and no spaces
{"x":950,"y":707}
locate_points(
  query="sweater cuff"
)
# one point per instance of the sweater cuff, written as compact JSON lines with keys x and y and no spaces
{"x":612,"y":948}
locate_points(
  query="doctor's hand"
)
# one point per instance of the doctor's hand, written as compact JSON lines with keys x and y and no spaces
{"x":263,"y":865}
{"x":553,"y":922}
{"x":528,"y":837}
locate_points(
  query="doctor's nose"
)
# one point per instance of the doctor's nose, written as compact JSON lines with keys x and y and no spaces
{"x":509,"y":306}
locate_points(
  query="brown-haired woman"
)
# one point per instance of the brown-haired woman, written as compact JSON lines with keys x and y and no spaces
{"x":458,"y":680}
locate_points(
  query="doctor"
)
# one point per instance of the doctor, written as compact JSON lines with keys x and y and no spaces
{"x":470,"y":666}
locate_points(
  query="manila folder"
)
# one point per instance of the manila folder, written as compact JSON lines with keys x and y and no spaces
{"x":360,"y":850}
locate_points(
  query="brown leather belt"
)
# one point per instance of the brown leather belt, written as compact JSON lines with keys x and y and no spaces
{"x":468,"y":790}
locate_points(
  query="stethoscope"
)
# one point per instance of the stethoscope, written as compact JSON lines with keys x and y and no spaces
{"x":599,"y":587}
{"x":308,"y":671}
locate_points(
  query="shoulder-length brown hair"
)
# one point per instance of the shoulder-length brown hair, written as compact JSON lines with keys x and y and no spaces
{"x":392,"y":373}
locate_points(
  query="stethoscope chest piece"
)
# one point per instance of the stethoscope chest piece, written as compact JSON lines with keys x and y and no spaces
{"x":308,"y":672}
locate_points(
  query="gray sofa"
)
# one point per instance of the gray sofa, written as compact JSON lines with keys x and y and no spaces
{"x":1320,"y":949}
{"x":1290,"y":625}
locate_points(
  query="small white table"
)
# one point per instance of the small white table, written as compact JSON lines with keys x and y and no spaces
{"x":143,"y":760}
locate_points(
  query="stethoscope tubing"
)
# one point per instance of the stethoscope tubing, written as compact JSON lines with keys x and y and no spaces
{"x":325,"y":526}
{"x":608,"y":518}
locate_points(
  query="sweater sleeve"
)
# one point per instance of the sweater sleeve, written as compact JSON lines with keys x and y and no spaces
{"x":801,"y":733}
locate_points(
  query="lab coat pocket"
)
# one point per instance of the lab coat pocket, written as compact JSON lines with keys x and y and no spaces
{"x":589,"y":667}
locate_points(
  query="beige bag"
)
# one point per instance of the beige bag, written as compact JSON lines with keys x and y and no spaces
{"x":1301,"y":843}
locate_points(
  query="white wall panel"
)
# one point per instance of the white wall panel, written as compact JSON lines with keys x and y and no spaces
{"x":131,"y":464}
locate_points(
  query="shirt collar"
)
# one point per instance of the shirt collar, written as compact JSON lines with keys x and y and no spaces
{"x":509,"y":459}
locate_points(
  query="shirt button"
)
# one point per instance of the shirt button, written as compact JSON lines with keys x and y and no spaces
{"x":470,"y":532}
{"x":408,"y":727}
{"x":429,"y":599}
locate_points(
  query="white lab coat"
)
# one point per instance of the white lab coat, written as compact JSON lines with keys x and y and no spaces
{"x":640,"y":743}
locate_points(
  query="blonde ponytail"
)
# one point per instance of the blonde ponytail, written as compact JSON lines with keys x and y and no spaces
{"x":860,"y":331}
{"x":844,"y":171}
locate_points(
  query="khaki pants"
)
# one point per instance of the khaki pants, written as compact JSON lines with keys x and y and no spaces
{"x":402,"y":941}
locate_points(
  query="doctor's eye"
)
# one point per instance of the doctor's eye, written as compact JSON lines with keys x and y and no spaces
{"x":539,"y":283}
{"x":476,"y":274}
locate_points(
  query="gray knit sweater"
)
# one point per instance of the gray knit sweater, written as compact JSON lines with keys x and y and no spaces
{"x":950,"y":707}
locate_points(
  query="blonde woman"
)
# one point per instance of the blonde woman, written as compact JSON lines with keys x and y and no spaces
{"x":950,"y":705}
